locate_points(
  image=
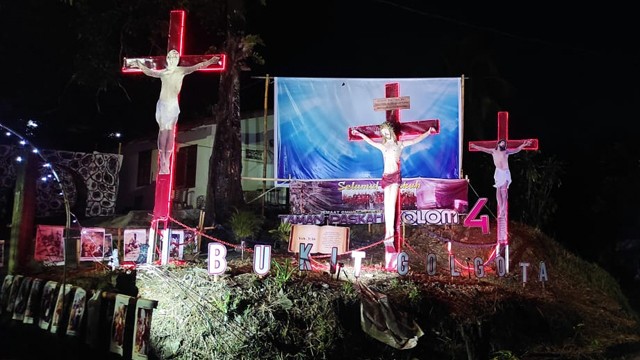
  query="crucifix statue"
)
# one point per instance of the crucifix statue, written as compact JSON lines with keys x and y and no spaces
{"x":167,"y":108}
{"x":394,"y":136}
{"x":500,"y":149}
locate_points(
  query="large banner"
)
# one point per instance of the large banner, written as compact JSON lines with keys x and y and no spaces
{"x":313,"y":115}
{"x":317,"y":197}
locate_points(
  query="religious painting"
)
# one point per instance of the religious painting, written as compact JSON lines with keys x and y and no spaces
{"x":1,"y":253}
{"x":190,"y":248}
{"x":49,"y":243}
{"x":13,"y":294}
{"x":33,"y":303}
{"x":77,"y":311}
{"x":176,"y":244}
{"x":119,"y":323}
{"x":142,"y":328}
{"x":4,"y":291}
{"x":108,"y":246}
{"x":21,"y":299}
{"x":92,"y":244}
{"x":47,"y":304}
{"x":63,"y":298}
{"x":135,"y":245}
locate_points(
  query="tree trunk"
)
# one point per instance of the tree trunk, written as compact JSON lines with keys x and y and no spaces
{"x":224,"y":191}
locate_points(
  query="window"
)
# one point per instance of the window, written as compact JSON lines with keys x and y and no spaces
{"x":185,"y":170}
{"x":144,"y":168}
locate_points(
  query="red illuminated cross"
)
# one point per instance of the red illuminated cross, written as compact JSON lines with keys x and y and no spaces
{"x":503,"y":133}
{"x":392,"y":103}
{"x":164,"y":182}
{"x":175,"y":41}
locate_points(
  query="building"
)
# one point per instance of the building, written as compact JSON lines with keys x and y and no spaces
{"x":194,"y":145}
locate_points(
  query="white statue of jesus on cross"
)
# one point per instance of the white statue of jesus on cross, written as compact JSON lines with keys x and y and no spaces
{"x":168,"y":108}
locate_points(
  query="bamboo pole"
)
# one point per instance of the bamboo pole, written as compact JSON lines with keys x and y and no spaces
{"x":265,"y":147}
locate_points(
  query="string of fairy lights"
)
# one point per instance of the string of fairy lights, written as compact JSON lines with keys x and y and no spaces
{"x":47,"y":169}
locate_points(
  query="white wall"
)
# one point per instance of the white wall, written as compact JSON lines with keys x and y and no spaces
{"x":252,"y":137}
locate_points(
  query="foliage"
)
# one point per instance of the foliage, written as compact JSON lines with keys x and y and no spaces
{"x":282,"y":232}
{"x":245,"y":224}
{"x":282,"y":272}
{"x":503,"y":355}
{"x":349,"y":291}
{"x":539,"y":177}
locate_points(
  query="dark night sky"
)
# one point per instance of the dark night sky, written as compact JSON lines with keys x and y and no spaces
{"x":567,"y":75}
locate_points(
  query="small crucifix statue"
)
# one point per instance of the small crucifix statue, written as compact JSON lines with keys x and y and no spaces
{"x":500,"y":150}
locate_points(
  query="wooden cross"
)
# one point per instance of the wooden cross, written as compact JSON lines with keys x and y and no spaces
{"x":164,"y":182}
{"x":503,"y":134}
{"x":392,"y":103}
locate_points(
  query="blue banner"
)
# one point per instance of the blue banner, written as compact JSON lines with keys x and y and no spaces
{"x":313,"y":115}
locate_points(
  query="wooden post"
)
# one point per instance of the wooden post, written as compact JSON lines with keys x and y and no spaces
{"x":24,"y":206}
{"x":200,"y":230}
{"x":265,"y":147}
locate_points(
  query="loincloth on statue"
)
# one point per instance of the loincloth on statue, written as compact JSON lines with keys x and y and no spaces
{"x":392,"y":178}
{"x":502,"y":178}
{"x":167,"y":114}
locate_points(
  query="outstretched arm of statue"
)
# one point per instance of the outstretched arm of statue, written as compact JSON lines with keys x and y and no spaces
{"x":366,"y":138}
{"x":422,"y":136}
{"x":481,"y":148}
{"x":522,"y":146}
{"x":149,"y":72}
{"x":204,"y":64}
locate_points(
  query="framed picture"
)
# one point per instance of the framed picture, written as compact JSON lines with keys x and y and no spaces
{"x":135,"y":244}
{"x":49,"y":243}
{"x":1,"y":253}
{"x":64,"y":296}
{"x":119,"y":322}
{"x":13,"y":294}
{"x":77,"y":311}
{"x":176,"y":244}
{"x":21,"y":299}
{"x":5,"y":291}
{"x":92,"y":244}
{"x":142,"y":328}
{"x":108,"y":246}
{"x":47,"y":303}
{"x":33,"y":303}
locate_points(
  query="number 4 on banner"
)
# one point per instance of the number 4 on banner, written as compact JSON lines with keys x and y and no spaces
{"x":483,"y":222}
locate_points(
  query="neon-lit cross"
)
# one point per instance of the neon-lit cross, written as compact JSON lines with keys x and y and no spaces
{"x":175,"y":41}
{"x":503,"y":133}
{"x":164,"y":181}
{"x":392,"y":103}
